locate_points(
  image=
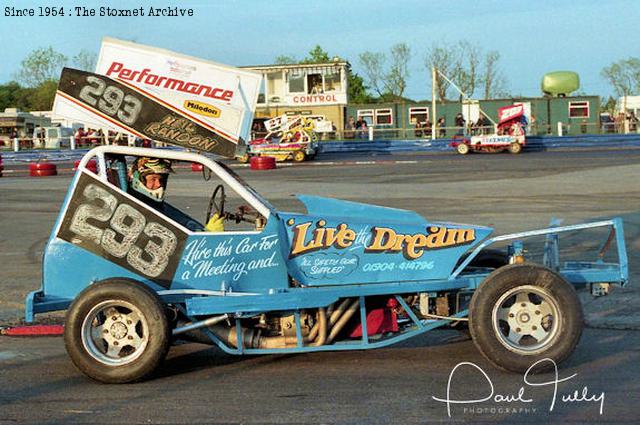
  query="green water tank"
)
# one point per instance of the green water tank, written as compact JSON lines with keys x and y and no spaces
{"x":560,"y":83}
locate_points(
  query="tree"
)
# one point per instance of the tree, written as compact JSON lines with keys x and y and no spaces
{"x":41,"y":65}
{"x":41,"y":99}
{"x":317,"y":55}
{"x":85,"y":60}
{"x":373,"y":64}
{"x":624,"y":76}
{"x":461,"y":64}
{"x":493,"y":81}
{"x":357,"y":91}
{"x":285,"y":60}
{"x":8,"y":95}
{"x":388,"y":82}
{"x":466,"y":69}
{"x":13,"y":95}
{"x":444,"y":58}
{"x":608,"y":105}
{"x":396,"y":79}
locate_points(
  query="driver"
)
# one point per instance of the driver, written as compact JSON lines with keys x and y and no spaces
{"x":148,"y":181}
{"x":149,"y":177}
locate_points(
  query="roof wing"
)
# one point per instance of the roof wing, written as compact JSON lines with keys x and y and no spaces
{"x":102,"y":101}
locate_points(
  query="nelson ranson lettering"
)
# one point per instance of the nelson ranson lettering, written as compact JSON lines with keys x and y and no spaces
{"x":180,"y":131}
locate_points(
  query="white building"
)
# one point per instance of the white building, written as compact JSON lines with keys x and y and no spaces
{"x":629,"y":103}
{"x":23,"y":122}
{"x":305,"y":89}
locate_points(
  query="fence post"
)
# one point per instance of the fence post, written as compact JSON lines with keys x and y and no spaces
{"x":559,"y":128}
{"x":370,"y":133}
{"x":72,"y":142}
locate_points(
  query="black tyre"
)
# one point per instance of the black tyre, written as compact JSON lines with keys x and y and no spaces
{"x":524,"y":313}
{"x":117,"y":331}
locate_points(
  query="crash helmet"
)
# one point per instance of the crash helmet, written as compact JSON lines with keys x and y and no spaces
{"x":145,"y":166}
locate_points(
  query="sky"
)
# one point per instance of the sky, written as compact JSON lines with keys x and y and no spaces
{"x":532,"y":37}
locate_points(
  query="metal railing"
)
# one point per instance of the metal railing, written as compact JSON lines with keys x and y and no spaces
{"x":71,"y":142}
{"x":369,"y":134}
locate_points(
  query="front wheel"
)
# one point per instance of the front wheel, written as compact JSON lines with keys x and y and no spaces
{"x":515,"y":148}
{"x":299,"y":156}
{"x":117,"y":331}
{"x":463,"y":149}
{"x":521,"y":314}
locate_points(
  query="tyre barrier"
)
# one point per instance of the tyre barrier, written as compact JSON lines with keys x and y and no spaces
{"x":92,"y":166}
{"x":262,"y":163}
{"x":42,"y":169}
{"x":196,"y":167}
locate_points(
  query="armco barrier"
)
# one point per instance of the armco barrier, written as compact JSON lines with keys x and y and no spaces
{"x":537,"y":143}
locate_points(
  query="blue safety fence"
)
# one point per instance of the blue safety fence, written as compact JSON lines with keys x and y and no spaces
{"x":42,"y":155}
{"x":538,"y":143}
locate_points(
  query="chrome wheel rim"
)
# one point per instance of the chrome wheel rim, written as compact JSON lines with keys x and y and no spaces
{"x":526,"y":319}
{"x":115,"y":332}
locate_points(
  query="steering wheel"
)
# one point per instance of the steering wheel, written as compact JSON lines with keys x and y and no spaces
{"x":217,"y":204}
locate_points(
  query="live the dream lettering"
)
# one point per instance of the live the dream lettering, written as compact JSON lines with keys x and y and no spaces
{"x":413,"y":246}
{"x":383,"y":239}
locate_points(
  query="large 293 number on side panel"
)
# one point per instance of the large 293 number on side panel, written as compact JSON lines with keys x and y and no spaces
{"x":118,"y":230}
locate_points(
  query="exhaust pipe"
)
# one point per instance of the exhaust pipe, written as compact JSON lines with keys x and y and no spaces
{"x":252,"y":339}
{"x":343,"y":321}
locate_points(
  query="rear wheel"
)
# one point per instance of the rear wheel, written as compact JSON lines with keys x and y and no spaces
{"x":116,"y":331}
{"x":463,"y":149}
{"x":515,"y":148}
{"x":524,"y":313}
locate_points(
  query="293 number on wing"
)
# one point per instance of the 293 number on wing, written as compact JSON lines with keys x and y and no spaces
{"x":111,"y":100}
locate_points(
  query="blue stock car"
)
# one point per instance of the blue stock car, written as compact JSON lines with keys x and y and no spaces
{"x":136,"y":277}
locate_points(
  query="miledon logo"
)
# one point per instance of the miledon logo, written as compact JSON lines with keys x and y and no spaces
{"x":202,"y":108}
